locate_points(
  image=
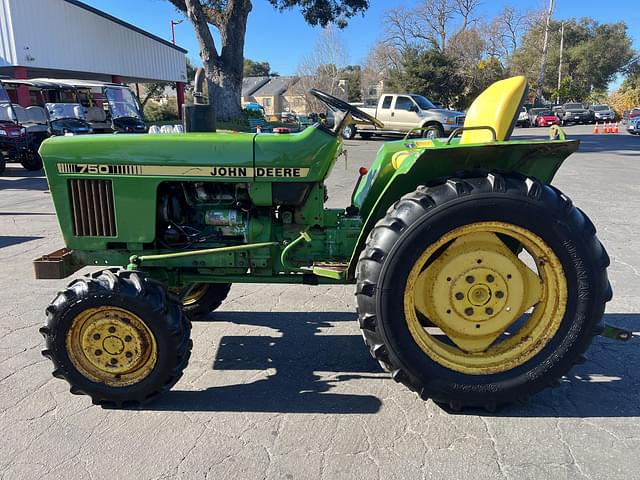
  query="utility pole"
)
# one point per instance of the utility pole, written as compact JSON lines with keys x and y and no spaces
{"x":560,"y":64}
{"x":543,"y":63}
{"x":173,"y":29}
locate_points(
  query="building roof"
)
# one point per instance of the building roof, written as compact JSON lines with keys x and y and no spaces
{"x":91,"y":9}
{"x":251,"y":84}
{"x":276,"y":86}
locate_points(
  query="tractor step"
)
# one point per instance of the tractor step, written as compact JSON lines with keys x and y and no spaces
{"x":337,"y":271}
{"x":616,"y":333}
{"x":58,"y":264}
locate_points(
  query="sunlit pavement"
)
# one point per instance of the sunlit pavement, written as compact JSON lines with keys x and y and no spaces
{"x":280,"y":384}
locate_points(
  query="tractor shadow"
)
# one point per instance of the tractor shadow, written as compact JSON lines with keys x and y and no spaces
{"x":607,"y":385}
{"x":287,"y":366}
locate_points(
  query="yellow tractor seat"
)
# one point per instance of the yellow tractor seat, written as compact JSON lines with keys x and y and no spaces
{"x":497,"y":107}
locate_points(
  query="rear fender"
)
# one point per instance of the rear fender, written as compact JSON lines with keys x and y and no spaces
{"x":428,"y":166}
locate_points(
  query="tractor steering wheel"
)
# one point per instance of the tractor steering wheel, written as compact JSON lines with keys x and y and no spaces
{"x":337,"y":104}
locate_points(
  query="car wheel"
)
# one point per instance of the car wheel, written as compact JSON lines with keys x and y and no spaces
{"x":433,"y":131}
{"x":349,"y":132}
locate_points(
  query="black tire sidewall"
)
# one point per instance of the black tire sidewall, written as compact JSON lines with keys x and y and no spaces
{"x":166,"y":344}
{"x":574,"y":333}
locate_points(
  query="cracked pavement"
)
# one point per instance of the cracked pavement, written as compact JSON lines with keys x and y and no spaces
{"x":280,"y":385}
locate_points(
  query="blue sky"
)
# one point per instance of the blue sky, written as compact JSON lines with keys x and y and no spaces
{"x":283,"y":39}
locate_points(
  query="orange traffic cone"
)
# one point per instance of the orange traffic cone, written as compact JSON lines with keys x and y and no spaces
{"x":615,"y":129}
{"x":595,"y":129}
{"x":609,"y":128}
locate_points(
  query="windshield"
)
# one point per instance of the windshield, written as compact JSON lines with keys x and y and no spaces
{"x":574,"y":106}
{"x":600,"y":108}
{"x":545,"y":113}
{"x":122,"y":103}
{"x":4,"y":96}
{"x":422,"y":102}
{"x":58,"y":111}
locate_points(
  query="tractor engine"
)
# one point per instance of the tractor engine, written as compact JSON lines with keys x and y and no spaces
{"x":191,"y":213}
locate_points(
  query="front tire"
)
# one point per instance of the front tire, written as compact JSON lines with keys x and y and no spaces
{"x":519,"y":362}
{"x":349,"y":132}
{"x":117,"y":337}
{"x":434,"y":130}
{"x":3,"y":163}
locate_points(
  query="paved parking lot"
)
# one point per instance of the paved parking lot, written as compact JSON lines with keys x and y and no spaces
{"x":280,"y":385}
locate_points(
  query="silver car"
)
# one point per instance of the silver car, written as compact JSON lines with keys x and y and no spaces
{"x":603,"y":113}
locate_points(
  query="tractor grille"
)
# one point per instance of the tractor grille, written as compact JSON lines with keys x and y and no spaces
{"x":92,"y":206}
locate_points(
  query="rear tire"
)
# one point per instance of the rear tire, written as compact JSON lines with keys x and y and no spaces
{"x":423,"y":217}
{"x":118,"y":337}
{"x":3,"y":163}
{"x":207,"y":298}
{"x":365,"y":135}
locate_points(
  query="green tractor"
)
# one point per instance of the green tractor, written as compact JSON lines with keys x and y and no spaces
{"x":477,"y":282}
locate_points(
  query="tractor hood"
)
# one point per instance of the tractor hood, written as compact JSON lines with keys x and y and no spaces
{"x":234,"y":157}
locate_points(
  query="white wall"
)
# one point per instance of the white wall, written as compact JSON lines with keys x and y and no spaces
{"x":59,"y":35}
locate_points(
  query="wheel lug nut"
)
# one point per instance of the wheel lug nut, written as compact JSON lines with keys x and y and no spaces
{"x":468,"y":311}
{"x":112,"y":329}
{"x":489,"y":311}
{"x":96,"y":336}
{"x":470,"y":279}
{"x":127,"y":338}
{"x":98,"y":353}
{"x":113,"y":361}
{"x":490,"y":278}
{"x":459,"y":296}
{"x":128,"y":354}
{"x":499,"y":294}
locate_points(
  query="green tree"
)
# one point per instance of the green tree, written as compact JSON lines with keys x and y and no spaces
{"x":594,"y":54}
{"x":255,"y":69}
{"x":353,"y":76}
{"x":431,"y":73}
{"x":223,"y":64}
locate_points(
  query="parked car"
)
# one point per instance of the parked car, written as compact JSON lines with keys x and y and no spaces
{"x":402,"y":113}
{"x":523,"y":118}
{"x":575,"y":113}
{"x":110,"y":107}
{"x":533,"y":114}
{"x":602,"y":113}
{"x":627,"y":115}
{"x":546,"y":118}
{"x":633,"y":125}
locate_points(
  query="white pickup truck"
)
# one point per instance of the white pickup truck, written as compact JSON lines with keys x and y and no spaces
{"x":402,"y":113}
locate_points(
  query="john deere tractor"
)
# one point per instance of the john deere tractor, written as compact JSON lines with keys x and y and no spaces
{"x":477,"y":282}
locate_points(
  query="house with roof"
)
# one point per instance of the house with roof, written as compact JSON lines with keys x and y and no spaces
{"x":249,"y":87}
{"x":271,"y":95}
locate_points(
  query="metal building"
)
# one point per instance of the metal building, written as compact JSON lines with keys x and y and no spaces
{"x":69,"y":39}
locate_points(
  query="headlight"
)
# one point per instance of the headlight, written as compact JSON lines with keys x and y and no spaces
{"x":598,"y":115}
{"x":450,"y":120}
{"x":23,"y":131}
{"x":3,"y":132}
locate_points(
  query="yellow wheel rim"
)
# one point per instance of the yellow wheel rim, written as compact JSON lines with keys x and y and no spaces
{"x":111,"y":345}
{"x":195,"y":294}
{"x":476,"y":292}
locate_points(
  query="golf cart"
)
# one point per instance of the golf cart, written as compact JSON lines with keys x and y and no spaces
{"x":17,"y":144}
{"x":61,"y":105}
{"x":111,"y":107}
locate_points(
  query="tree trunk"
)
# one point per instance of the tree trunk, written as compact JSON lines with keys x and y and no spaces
{"x":223,"y":71}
